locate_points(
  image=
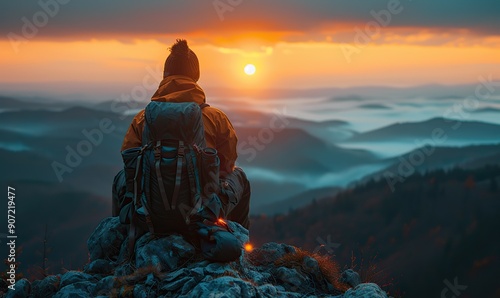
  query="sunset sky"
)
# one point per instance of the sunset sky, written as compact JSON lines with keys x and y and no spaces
{"x":293,"y":43}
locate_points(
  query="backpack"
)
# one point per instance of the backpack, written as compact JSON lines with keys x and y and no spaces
{"x":172,"y":179}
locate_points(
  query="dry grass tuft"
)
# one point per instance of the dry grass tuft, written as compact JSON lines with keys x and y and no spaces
{"x":330,"y":270}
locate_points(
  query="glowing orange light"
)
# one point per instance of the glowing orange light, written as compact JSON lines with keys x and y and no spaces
{"x":221,"y":221}
{"x":248,"y":247}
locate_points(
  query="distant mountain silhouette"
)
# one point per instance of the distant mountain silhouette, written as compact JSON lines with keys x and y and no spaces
{"x":69,"y":115}
{"x":374,"y":107}
{"x":296,"y":201}
{"x":44,"y":137}
{"x":487,"y":110}
{"x":442,"y":158}
{"x":295,"y":151}
{"x":468,"y":157}
{"x":118,"y":105}
{"x":11,"y":103}
{"x":333,"y":130}
{"x":451,"y":129}
{"x":430,"y":91}
{"x":292,"y":153}
{"x":348,"y":97}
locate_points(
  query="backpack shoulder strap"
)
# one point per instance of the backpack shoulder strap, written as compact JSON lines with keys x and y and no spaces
{"x":204,"y":105}
{"x":178,"y":174}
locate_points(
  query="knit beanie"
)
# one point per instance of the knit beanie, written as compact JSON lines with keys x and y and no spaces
{"x":182,"y":61}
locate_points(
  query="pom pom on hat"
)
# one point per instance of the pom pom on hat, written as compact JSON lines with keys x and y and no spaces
{"x":182,"y":61}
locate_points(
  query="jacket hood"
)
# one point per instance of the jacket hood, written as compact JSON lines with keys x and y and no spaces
{"x":179,"y":88}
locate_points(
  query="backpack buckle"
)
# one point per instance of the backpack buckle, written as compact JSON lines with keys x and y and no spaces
{"x":145,"y":147}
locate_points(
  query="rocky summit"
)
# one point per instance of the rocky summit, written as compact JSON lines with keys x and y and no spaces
{"x":172,"y":267}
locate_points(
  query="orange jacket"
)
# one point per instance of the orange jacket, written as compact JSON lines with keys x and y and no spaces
{"x":219,"y":132}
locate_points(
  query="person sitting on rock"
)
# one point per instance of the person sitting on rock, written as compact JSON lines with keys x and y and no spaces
{"x":179,"y":84}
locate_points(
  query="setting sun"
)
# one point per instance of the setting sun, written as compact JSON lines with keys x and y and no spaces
{"x":249,"y":69}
